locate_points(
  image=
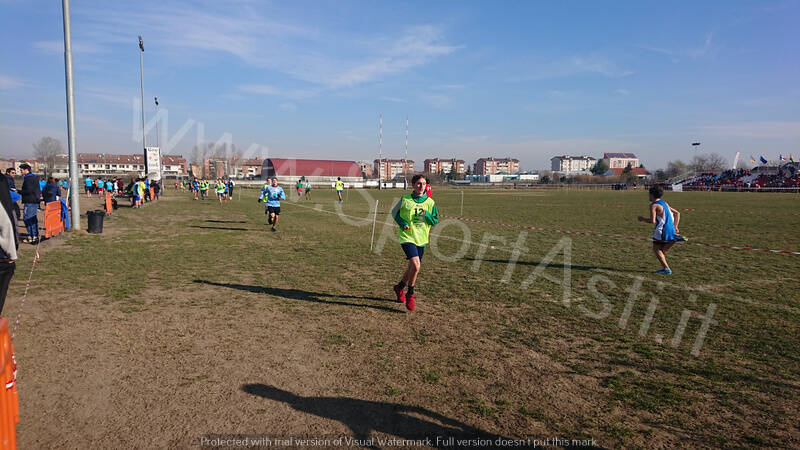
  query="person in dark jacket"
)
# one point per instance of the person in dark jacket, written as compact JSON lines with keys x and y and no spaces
{"x":31,"y":196}
{"x":8,"y":240}
{"x":51,"y":191}
{"x":10,"y":174}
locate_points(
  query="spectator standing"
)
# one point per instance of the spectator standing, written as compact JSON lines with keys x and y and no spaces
{"x":10,"y":174}
{"x":8,"y":239}
{"x":51,"y":191}
{"x":31,"y":196}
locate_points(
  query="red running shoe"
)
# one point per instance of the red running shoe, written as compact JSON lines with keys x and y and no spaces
{"x":401,"y":296}
{"x":410,"y":302}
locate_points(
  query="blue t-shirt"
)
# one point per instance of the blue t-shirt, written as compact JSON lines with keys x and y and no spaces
{"x":109,"y":185}
{"x":274,"y":195}
{"x":88,"y":181}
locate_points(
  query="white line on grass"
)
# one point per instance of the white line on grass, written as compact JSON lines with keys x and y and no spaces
{"x":319,"y":208}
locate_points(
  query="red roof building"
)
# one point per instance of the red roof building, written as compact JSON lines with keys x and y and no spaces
{"x":280,"y":167}
{"x":638,"y":171}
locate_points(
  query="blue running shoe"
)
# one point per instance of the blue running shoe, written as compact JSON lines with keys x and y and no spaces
{"x":664,"y":271}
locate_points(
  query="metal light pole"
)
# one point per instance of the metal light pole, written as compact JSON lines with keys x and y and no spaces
{"x":141,"y":81}
{"x":73,"y":156}
{"x":158,"y":139}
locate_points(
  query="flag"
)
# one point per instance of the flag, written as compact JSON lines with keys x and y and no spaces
{"x":782,"y":158}
{"x":791,"y":158}
{"x":752,"y":159}
{"x":763,"y":160}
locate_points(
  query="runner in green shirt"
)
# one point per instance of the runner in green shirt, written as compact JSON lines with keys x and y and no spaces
{"x":339,"y":188}
{"x":415,"y":213}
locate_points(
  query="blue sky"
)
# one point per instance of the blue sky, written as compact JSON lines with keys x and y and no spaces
{"x":308,"y":79}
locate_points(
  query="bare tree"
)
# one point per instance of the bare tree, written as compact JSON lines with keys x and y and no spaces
{"x":676,"y":168}
{"x":46,"y":151}
{"x":708,"y":163}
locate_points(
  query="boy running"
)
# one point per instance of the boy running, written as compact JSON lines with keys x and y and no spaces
{"x":339,"y":188}
{"x":204,"y":189}
{"x":299,"y":187}
{"x":665,"y":234}
{"x":272,"y":194}
{"x":220,"y":188}
{"x":308,"y":189}
{"x":415,"y":213}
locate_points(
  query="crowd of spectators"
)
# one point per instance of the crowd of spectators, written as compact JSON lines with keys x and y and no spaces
{"x":786,"y":176}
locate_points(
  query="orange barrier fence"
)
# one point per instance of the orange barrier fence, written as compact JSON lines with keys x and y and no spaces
{"x":9,"y":403}
{"x":53,"y":224}
{"x":108,"y":203}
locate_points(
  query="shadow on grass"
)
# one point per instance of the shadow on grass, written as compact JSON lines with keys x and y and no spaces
{"x":225,"y":221}
{"x":535,"y":263}
{"x":364,"y":417}
{"x":221,"y":228}
{"x":307,"y":296}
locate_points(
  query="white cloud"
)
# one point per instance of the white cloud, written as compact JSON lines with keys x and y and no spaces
{"x":394,"y":99}
{"x":437,"y":100}
{"x":695,"y":52}
{"x":288,"y":106}
{"x":7,"y":82}
{"x":57,"y":47}
{"x":417,"y":46}
{"x":576,"y":65}
{"x":325,"y":59}
{"x":266,"y":89}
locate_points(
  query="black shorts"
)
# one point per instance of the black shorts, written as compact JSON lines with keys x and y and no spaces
{"x":411,"y":250}
{"x":273,"y":210}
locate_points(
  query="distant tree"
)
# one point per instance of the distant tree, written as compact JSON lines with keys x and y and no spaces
{"x":46,"y":151}
{"x":661,"y":175}
{"x":708,"y":163}
{"x":676,"y":168}
{"x":600,"y":168}
{"x":469,"y":169}
{"x":544,"y":179}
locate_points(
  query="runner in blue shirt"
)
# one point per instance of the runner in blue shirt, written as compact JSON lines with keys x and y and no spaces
{"x":272,"y":194}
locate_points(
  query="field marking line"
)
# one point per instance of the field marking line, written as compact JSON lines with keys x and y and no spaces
{"x":710,"y":292}
{"x":713,"y":293}
{"x":36,"y":258}
{"x":619,"y":236}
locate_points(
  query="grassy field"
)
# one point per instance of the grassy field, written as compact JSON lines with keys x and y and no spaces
{"x":188,"y":319}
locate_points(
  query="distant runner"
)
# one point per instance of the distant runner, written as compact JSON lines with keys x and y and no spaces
{"x":339,"y":188}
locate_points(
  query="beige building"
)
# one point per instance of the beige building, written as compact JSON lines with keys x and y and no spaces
{"x":388,"y":169}
{"x":492,"y":165}
{"x":620,"y":160}
{"x":93,"y":164}
{"x":568,"y":163}
{"x":438,"y":165}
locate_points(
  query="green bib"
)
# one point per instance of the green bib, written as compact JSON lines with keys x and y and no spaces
{"x":411,"y":212}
